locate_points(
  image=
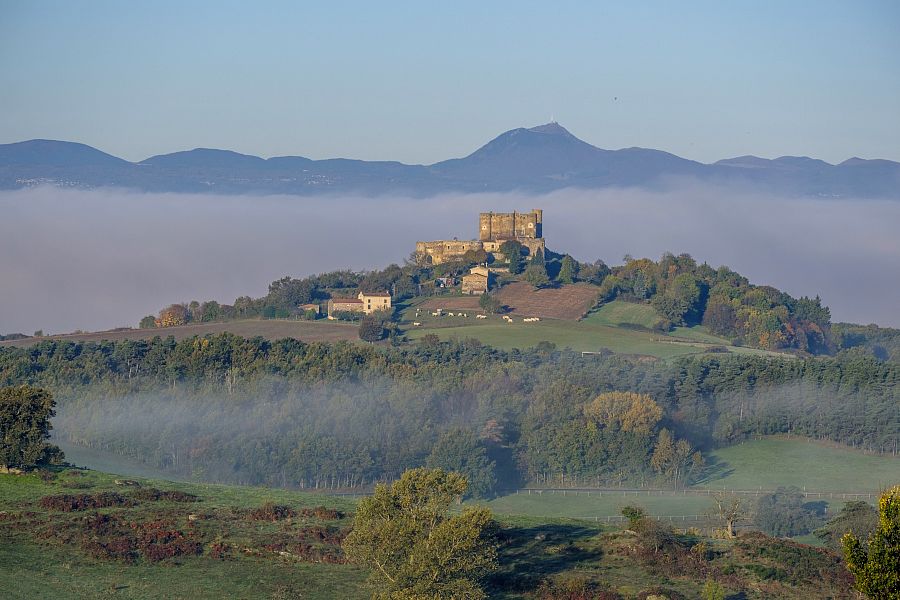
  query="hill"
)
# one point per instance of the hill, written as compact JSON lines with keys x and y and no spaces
{"x":270,"y":329}
{"x":151,"y":539}
{"x":537,"y":159}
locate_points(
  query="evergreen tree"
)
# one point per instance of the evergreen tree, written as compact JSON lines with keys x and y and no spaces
{"x":568,"y":270}
{"x":25,"y":413}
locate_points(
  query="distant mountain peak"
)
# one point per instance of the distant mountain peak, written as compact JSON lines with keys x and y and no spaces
{"x":552,"y":128}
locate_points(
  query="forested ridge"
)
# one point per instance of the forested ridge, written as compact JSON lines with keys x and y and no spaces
{"x":295,"y":414}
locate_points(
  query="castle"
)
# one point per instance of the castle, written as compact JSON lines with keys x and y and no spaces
{"x":493,"y":230}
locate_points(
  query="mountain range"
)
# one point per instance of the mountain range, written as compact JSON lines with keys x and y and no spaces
{"x":539,"y":159}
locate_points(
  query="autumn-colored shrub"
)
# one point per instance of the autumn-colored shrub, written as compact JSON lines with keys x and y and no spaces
{"x":271,"y":512}
{"x":76,"y":502}
{"x":155,"y":495}
{"x":320,"y":512}
{"x":574,"y":588}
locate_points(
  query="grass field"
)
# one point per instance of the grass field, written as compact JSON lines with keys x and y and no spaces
{"x":605,"y":328}
{"x":582,"y":336}
{"x":816,"y":466}
{"x":618,"y":312}
{"x":763,"y":464}
{"x":577,"y":335}
{"x":272,"y":329}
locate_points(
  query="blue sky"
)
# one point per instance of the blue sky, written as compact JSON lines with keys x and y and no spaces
{"x":420,"y":82}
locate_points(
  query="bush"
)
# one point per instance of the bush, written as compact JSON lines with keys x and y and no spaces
{"x":271,"y":512}
{"x":784,"y":514}
{"x":371,"y":329}
{"x":155,"y":495}
{"x":76,"y":502}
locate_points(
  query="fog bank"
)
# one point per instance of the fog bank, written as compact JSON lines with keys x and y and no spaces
{"x":97,"y":259}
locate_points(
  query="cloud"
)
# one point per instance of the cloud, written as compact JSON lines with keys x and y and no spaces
{"x":103,"y":258}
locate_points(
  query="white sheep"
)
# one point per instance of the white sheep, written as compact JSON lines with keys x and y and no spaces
{"x":416,"y":323}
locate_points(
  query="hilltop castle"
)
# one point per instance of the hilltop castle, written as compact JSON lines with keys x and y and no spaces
{"x":493,"y":230}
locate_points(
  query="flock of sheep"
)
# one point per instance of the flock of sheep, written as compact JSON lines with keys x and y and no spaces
{"x":440,"y":313}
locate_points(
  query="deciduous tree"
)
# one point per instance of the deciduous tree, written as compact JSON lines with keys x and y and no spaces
{"x":414,"y":547}
{"x":876,"y":565}
{"x":460,"y":451}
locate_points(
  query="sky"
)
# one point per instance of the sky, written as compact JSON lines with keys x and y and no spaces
{"x":419,"y":82}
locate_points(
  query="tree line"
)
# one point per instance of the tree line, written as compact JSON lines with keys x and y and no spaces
{"x":297,"y":414}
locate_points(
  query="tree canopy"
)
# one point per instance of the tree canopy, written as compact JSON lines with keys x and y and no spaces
{"x":405,"y":534}
{"x":25,"y":413}
{"x":876,"y":564}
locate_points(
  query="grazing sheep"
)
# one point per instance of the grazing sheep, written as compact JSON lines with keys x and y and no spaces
{"x":416,"y":323}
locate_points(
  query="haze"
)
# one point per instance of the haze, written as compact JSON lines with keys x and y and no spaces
{"x":100,"y":259}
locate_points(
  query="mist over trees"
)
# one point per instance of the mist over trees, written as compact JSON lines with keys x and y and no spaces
{"x":288,"y":413}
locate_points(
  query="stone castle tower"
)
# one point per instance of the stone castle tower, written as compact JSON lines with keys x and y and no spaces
{"x":510,"y":226}
{"x":493,"y":230}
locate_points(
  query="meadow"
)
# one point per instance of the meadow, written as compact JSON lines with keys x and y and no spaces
{"x":829,"y":473}
{"x":618,"y":326}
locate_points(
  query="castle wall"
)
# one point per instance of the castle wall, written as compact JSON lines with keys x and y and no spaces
{"x":441,"y":251}
{"x":493,"y":230}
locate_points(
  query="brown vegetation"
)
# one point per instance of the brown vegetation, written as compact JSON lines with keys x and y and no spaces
{"x":567,"y":302}
{"x":76,"y":502}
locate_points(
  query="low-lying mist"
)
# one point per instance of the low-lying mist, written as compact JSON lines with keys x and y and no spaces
{"x":72,"y":259}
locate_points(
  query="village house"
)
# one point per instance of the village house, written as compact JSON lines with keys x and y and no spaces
{"x":478,"y":281}
{"x":363,"y":303}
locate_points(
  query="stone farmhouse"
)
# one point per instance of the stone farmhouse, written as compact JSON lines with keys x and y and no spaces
{"x":364,"y":303}
{"x":493,"y":230}
{"x":480,"y":279}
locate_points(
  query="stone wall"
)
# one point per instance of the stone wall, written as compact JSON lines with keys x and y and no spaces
{"x":441,"y":251}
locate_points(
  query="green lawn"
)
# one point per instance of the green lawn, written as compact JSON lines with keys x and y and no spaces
{"x":577,"y":335}
{"x":592,"y":505}
{"x":600,"y":330}
{"x":776,"y":461}
{"x":618,"y":312}
{"x":759,"y":464}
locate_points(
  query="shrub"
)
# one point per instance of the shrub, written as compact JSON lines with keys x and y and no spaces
{"x":77,"y":502}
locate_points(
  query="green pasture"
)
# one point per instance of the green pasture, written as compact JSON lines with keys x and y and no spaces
{"x":581,"y":336}
{"x":763,"y":464}
{"x":776,"y":461}
{"x":619,"y":312}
